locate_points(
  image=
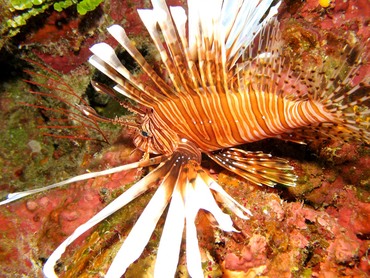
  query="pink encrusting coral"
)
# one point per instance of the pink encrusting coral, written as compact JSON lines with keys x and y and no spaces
{"x":58,"y":214}
{"x":304,"y":241}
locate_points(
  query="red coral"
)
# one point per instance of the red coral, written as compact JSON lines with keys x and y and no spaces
{"x":252,"y":255}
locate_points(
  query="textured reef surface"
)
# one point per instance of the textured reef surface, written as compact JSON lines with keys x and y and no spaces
{"x":320,"y":228}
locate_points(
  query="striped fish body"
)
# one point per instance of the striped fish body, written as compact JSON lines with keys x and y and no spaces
{"x":220,"y":93}
{"x":216,"y":121}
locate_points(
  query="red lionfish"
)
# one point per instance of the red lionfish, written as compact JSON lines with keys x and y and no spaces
{"x":228,"y":84}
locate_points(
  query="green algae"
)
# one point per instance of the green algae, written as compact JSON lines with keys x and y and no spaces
{"x":23,"y":167}
{"x":17,"y":14}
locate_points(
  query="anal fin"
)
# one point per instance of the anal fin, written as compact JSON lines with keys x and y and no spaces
{"x":257,"y":167}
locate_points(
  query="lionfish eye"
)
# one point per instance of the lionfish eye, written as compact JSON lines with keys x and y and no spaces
{"x":144,"y":133}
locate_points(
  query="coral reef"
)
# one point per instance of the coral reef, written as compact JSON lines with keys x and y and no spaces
{"x":320,"y":228}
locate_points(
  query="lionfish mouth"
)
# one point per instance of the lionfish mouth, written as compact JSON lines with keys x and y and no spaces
{"x":184,"y":186}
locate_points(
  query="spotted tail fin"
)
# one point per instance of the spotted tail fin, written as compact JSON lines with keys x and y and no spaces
{"x":332,"y":86}
{"x":341,"y":95}
{"x":349,"y":101}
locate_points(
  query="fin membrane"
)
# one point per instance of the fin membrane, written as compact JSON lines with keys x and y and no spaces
{"x":257,"y":167}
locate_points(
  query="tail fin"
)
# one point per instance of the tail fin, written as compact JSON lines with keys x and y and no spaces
{"x":342,"y":95}
{"x":334,"y":84}
{"x":348,"y":100}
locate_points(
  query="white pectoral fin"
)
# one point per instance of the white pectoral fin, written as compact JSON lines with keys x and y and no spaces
{"x":170,"y":243}
{"x":144,"y":163}
{"x":207,"y":202}
{"x":126,"y":197}
{"x":193,"y":258}
{"x":140,"y":234}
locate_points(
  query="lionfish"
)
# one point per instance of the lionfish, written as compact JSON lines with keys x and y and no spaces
{"x":227,"y":83}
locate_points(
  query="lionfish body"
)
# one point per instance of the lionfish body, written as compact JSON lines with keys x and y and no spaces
{"x":238,"y":117}
{"x":221,"y":91}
